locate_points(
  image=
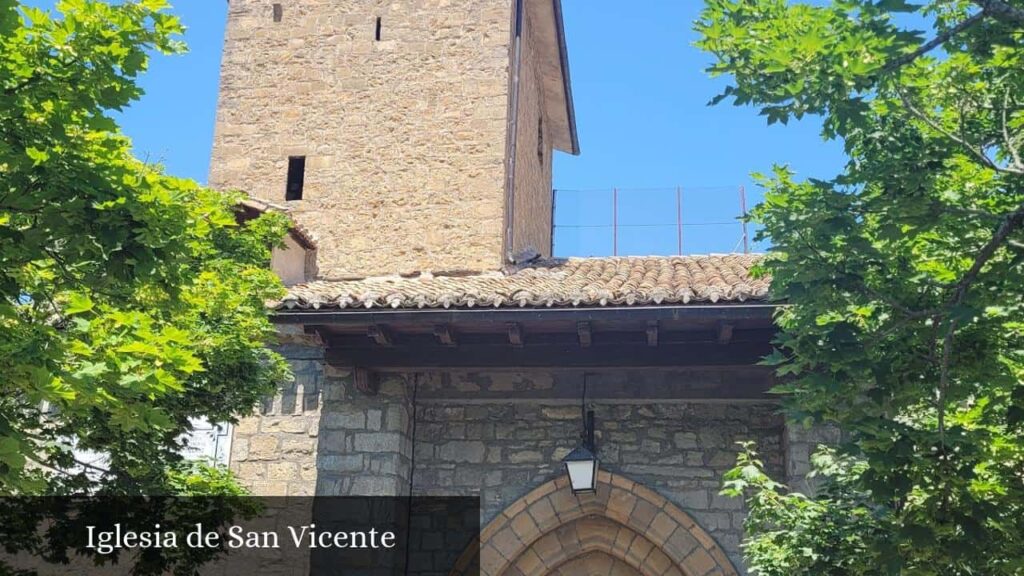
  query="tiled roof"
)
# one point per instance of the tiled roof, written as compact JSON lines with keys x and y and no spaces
{"x":252,"y":207}
{"x":575,"y":282}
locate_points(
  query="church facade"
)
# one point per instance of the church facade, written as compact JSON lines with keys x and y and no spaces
{"x":438,"y":346}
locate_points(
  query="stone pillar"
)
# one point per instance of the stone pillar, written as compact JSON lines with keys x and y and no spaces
{"x":365,"y":439}
{"x":273,"y":452}
{"x":800,"y":443}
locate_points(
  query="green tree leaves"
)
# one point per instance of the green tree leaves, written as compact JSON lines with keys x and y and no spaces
{"x":903,"y":274}
{"x":130,"y":300}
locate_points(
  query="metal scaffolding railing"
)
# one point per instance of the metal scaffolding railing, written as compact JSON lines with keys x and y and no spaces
{"x":631,"y":221}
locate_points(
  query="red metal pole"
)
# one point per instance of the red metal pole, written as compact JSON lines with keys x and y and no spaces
{"x":743,"y":208}
{"x":615,"y":221}
{"x":679,"y":218}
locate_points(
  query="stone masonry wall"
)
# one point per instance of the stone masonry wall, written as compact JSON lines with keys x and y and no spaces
{"x":531,"y":227}
{"x":323,"y":436}
{"x":405,"y":136}
{"x":319,"y":435}
{"x":800,"y":444}
{"x":365,"y":441}
{"x":273,"y":451}
{"x":501,"y":449}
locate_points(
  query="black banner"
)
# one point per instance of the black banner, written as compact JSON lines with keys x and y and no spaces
{"x":300,"y":536}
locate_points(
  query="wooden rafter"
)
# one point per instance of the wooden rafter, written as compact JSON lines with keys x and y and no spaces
{"x":583,"y":330}
{"x":380,"y":335}
{"x":652,"y":333}
{"x":444,"y":335}
{"x":365,"y":380}
{"x":725,"y":333}
{"x":515,"y":334}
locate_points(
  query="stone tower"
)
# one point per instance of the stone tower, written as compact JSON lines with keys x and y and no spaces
{"x":405,"y":135}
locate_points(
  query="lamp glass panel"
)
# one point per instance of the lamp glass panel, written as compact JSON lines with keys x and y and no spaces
{"x":582,"y":474}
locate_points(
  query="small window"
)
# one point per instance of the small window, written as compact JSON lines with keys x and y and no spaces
{"x":540,"y":140}
{"x":376,"y":32}
{"x":296,"y":177}
{"x":278,"y":12}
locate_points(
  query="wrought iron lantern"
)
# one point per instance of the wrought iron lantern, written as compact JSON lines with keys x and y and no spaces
{"x":581,"y":464}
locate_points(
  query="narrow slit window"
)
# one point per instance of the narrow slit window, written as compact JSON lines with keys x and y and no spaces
{"x":296,"y":177}
{"x":540,"y":140}
{"x":376,"y":31}
{"x":278,"y":12}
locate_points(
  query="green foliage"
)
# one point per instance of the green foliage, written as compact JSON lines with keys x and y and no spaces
{"x":903,"y":275}
{"x":130,"y":300}
{"x":835,"y":533}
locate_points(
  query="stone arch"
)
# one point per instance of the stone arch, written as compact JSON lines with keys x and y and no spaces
{"x":597,"y":564}
{"x":623,"y":526}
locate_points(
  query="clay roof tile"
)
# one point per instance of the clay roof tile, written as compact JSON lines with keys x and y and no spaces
{"x":575,"y":282}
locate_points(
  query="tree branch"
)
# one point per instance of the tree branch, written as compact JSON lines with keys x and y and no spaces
{"x":947,"y":350}
{"x":975,"y":151}
{"x":1010,"y":143}
{"x":1010,"y":223}
{"x":934,"y":42}
{"x":1001,"y":11}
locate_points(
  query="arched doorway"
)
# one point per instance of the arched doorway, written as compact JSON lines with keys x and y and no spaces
{"x":623,"y":529}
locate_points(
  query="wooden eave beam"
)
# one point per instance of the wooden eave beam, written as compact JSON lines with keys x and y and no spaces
{"x":567,"y":355}
{"x":456,"y":318}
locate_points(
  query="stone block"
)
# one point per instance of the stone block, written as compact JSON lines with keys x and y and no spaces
{"x":700,"y":561}
{"x":341,"y":463}
{"x":297,"y":446}
{"x":263,"y":447}
{"x":561,"y":413}
{"x":333,"y":441}
{"x":247,"y":426}
{"x":373,"y":419}
{"x":685,"y":440}
{"x":681,"y":543}
{"x":377,"y":486}
{"x":239,"y":449}
{"x":522,"y":456}
{"x":344,"y":417}
{"x":295,"y":425}
{"x":719,"y":502}
{"x":378,"y":442}
{"x":691,"y":499}
{"x":462,"y":451}
{"x":396,"y":420}
{"x":278,"y":471}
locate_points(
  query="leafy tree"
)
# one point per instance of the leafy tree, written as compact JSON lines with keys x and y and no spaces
{"x":836,"y":533}
{"x":130,"y":301}
{"x":903,"y":276}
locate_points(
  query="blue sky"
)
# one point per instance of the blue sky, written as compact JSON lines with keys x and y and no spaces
{"x":641,"y":106}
